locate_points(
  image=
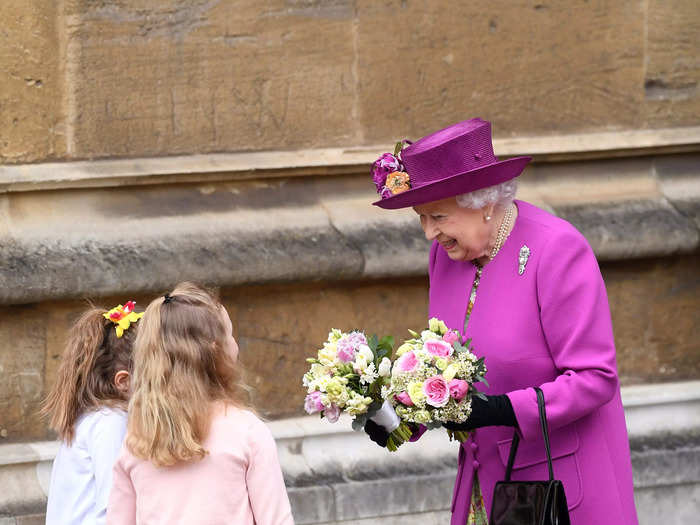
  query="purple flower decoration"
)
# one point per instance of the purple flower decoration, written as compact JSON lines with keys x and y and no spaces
{"x":384,"y":165}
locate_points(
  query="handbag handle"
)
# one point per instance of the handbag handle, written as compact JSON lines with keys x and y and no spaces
{"x":545,"y":435}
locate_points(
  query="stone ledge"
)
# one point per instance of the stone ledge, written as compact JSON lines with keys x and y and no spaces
{"x":329,"y":161}
{"x":74,"y":243}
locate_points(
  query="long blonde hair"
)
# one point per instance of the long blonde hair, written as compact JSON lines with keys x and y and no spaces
{"x":92,"y":356}
{"x":180,"y":367}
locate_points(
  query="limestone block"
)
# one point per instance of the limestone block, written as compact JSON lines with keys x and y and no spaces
{"x":422,"y":518}
{"x":30,"y":82}
{"x":279,"y":327}
{"x":20,"y":491}
{"x":680,"y":183}
{"x":22,"y":346}
{"x":392,"y":244}
{"x":416,"y":494}
{"x":169,"y":77}
{"x":672,"y":74}
{"x":656,"y":319}
{"x":677,"y":505}
{"x":313,"y":504}
{"x":627,"y":229}
{"x":527,"y":67}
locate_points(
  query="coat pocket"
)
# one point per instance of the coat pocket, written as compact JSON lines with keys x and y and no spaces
{"x":531,"y":462}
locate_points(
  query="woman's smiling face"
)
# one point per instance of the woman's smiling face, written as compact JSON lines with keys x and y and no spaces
{"x":463,"y":233}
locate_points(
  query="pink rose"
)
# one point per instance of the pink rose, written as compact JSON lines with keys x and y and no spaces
{"x":407,"y":363}
{"x":458,"y":389}
{"x":450,"y":337}
{"x":384,"y":165}
{"x":436,"y":391}
{"x":438,"y":348}
{"x":312,"y":403}
{"x":332,"y":413}
{"x":404,"y":398}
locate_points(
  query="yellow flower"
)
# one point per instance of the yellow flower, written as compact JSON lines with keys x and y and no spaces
{"x":327,"y":355}
{"x":401,"y":350}
{"x":415,"y":392}
{"x":421,"y":416}
{"x":441,"y":363}
{"x":450,"y":372}
{"x":398,"y":182}
{"x":123,"y":316}
{"x":437,"y":326}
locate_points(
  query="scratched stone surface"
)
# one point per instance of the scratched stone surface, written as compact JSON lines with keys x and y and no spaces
{"x":31,"y":81}
{"x":140,"y":78}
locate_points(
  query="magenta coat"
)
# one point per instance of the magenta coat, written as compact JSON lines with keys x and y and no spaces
{"x":548,"y":327}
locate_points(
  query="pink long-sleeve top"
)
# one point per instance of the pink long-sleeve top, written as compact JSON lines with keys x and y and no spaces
{"x":239,"y":481}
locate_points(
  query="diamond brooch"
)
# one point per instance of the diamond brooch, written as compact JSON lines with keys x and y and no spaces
{"x":523,"y":256}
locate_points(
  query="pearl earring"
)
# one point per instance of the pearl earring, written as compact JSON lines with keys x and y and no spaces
{"x":488,"y":217}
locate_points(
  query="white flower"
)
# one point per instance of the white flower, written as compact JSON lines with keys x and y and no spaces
{"x":320,"y":383}
{"x":328,"y":355}
{"x":385,"y":392}
{"x":318,"y":370}
{"x":369,"y":375}
{"x":357,"y":404}
{"x":366,"y":352}
{"x":385,"y":367}
{"x":360,"y":364}
{"x":334,"y":335}
{"x":401,"y":350}
{"x":427,"y":334}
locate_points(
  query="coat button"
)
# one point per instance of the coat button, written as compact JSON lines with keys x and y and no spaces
{"x":474,"y":445}
{"x":476,"y":464}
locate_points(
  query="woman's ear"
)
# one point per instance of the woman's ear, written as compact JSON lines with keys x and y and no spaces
{"x":121,"y":381}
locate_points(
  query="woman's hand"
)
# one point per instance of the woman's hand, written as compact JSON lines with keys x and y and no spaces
{"x":496,"y":411}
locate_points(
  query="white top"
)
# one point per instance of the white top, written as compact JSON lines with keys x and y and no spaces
{"x":81,"y":477}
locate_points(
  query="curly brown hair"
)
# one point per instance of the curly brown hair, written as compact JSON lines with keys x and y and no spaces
{"x":92,"y":356}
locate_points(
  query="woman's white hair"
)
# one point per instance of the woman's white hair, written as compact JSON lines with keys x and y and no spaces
{"x":501,"y":195}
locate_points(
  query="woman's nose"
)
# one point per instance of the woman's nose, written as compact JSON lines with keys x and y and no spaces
{"x":429,"y":229}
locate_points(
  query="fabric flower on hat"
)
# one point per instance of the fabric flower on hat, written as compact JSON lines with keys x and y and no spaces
{"x":398,"y":182}
{"x":123,"y":316}
{"x":382,"y":167}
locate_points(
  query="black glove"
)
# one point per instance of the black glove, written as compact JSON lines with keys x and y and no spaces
{"x":376,"y":433}
{"x":497,"y":411}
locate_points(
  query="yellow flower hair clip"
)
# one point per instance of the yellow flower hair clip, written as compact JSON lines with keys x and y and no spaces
{"x":123,"y":316}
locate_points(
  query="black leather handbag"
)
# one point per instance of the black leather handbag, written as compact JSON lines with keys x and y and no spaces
{"x":530,"y":502}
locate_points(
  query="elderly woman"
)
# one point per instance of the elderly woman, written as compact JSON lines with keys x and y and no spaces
{"x":525,"y":286}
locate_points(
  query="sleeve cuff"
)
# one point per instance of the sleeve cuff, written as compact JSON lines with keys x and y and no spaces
{"x":526,"y":412}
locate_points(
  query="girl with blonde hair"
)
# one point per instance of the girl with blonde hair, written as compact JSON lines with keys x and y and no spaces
{"x":194,"y":452}
{"x":86,"y":407}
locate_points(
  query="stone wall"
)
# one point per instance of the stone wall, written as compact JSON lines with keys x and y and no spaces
{"x":654,"y":305}
{"x":124,"y":78}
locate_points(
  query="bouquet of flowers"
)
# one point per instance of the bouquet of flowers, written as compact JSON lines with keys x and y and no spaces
{"x":432,"y":378}
{"x":348,"y":374}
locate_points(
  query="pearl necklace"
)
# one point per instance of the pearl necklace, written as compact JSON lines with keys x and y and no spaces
{"x":502,"y":231}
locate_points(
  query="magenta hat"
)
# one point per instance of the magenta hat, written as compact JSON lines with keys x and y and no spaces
{"x":455,"y":160}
